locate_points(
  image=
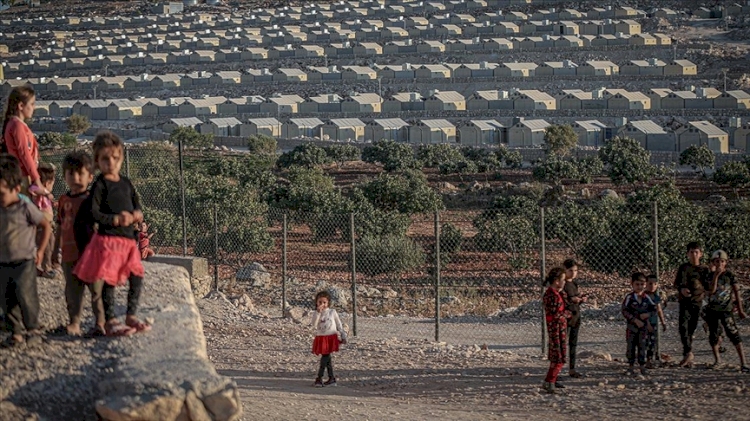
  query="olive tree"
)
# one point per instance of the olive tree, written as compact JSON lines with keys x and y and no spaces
{"x":698,"y":157}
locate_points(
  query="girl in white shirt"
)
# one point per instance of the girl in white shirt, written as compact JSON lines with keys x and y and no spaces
{"x":328,"y":327}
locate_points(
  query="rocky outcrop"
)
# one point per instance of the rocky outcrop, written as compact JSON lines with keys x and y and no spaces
{"x":165,"y":374}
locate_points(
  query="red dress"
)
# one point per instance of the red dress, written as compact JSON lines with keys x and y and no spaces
{"x":109,"y":258}
{"x":557,"y":324}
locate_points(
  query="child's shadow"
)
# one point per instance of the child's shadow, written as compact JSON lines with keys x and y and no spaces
{"x":60,"y":397}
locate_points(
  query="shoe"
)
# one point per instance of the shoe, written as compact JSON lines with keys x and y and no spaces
{"x":745,"y":369}
{"x":559,"y":385}
{"x":330,"y":382}
{"x":549,"y":387}
{"x":650,"y":365}
{"x":644,"y":372}
{"x":687,"y":361}
{"x":318,"y":382}
{"x":630,"y":372}
{"x":576,"y":375}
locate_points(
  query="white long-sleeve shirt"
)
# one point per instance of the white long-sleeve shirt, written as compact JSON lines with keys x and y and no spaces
{"x":327,"y":323}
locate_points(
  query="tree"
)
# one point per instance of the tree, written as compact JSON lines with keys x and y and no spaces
{"x":78,"y":124}
{"x":406,"y":192}
{"x":54,"y":139}
{"x":512,"y":159}
{"x":190,"y":137}
{"x":262,"y":144}
{"x":433,"y":156}
{"x":308,"y":190}
{"x":343,"y":153}
{"x":698,"y":157}
{"x":554,"y":169}
{"x":559,"y":139}
{"x":392,"y":155}
{"x":305,"y":155}
{"x":626,"y":161}
{"x":734,"y":174}
{"x":588,"y":168}
{"x":515,"y":236}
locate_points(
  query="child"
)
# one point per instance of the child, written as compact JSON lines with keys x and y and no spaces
{"x":720,"y":288}
{"x":327,"y":330}
{"x":144,"y":241}
{"x":657,"y":296}
{"x":557,"y":323}
{"x":637,"y":308}
{"x":689,"y":285}
{"x":78,"y":170}
{"x":573,"y":300}
{"x":44,"y":203}
{"x":19,"y":255}
{"x":17,"y":138}
{"x":112,"y":254}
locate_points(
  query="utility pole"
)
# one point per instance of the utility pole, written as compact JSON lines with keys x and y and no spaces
{"x":725,"y":70}
{"x":380,"y":89}
{"x":94,"y":91}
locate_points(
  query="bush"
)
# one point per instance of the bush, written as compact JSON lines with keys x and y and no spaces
{"x":78,"y":124}
{"x":392,"y":155}
{"x":514,"y":236}
{"x":433,"y":156}
{"x":54,"y":139}
{"x":308,"y":190}
{"x":626,"y":161}
{"x":168,"y":224}
{"x":262,"y":144}
{"x":191,"y":138}
{"x":512,"y":159}
{"x":388,"y":255}
{"x":734,"y":174}
{"x":342,"y":153}
{"x":588,"y":168}
{"x":459,"y":167}
{"x":553,"y":169}
{"x":406,"y":192}
{"x":727,"y":227}
{"x":305,"y":155}
{"x":510,"y":206}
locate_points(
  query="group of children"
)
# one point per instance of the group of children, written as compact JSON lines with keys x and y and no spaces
{"x":710,"y":291}
{"x":97,"y":235}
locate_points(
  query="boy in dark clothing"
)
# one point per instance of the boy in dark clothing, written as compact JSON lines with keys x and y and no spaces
{"x":637,"y":309}
{"x":689,"y":284}
{"x":658,"y":297}
{"x":19,"y":256}
{"x":720,"y":289}
{"x":573,"y":300}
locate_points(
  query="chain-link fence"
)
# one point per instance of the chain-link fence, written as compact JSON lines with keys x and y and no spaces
{"x":451,"y":275}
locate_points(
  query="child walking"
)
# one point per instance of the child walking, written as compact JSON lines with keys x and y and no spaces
{"x":44,"y":203}
{"x":328,"y":327}
{"x":557,"y":324}
{"x":658,"y":297}
{"x":19,"y":256}
{"x":721,"y":288}
{"x":637,"y":308}
{"x":112,"y":254}
{"x":78,"y":170}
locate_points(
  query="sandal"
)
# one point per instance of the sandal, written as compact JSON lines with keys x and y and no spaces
{"x":139,"y":326}
{"x":117,"y":329}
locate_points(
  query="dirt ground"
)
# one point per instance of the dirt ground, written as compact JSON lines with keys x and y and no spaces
{"x":392,"y":370}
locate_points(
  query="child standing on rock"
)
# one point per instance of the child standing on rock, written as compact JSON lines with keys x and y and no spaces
{"x":19,"y":255}
{"x":78,"y":171}
{"x":557,"y":324}
{"x":112,"y":255}
{"x":328,"y":327}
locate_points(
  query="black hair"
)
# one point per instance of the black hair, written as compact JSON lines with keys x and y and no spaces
{"x":652,"y":276}
{"x":554,"y":274}
{"x":637,"y":276}
{"x":569,"y":263}
{"x":694,"y":245}
{"x":46,"y":173}
{"x":78,"y":160}
{"x":10,"y":171}
{"x":106,"y":139}
{"x":323,"y":294}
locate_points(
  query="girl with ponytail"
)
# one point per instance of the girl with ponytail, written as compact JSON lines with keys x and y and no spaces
{"x":18,"y":140}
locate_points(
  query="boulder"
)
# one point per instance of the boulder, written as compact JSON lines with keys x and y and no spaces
{"x":297,"y":314}
{"x":256,"y":274}
{"x":390,"y":294}
{"x":716,"y":199}
{"x":165,"y":374}
{"x":594,"y":355}
{"x":585,"y":193}
{"x":339,"y":296}
{"x":608,"y":194}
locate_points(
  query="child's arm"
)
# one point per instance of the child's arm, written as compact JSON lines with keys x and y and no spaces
{"x":58,"y":234}
{"x":315,"y":319}
{"x":339,"y":326}
{"x":630,"y":315}
{"x":46,"y":234}
{"x":660,"y":312}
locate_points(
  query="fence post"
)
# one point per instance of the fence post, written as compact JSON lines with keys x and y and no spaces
{"x":182,"y":197}
{"x":216,"y":247}
{"x":437,"y":276}
{"x":656,"y":271}
{"x":543,"y":272}
{"x":354,"y":274}
{"x":283,"y":265}
{"x":127,"y":162}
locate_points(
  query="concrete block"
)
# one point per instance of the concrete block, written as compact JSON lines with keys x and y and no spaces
{"x":197,"y":267}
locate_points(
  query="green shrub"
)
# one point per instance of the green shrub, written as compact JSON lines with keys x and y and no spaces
{"x":392,"y":155}
{"x":305,"y":155}
{"x":191,"y":138}
{"x":54,"y":139}
{"x":388,"y":255}
{"x":406,"y":192}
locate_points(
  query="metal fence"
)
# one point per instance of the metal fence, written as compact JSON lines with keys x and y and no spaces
{"x":451,"y":276}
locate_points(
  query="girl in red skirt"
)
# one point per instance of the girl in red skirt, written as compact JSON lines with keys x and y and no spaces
{"x":327,"y":329}
{"x":557,"y":323}
{"x":112,"y":254}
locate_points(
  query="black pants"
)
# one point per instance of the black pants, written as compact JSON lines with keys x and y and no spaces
{"x":18,"y":296}
{"x":689,"y":314}
{"x":134,"y":295}
{"x":326,"y":362}
{"x":726,"y":318}
{"x":573,"y":344}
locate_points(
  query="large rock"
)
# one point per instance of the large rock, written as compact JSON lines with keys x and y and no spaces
{"x":608,"y":194}
{"x":165,"y":374}
{"x":339,"y":296}
{"x":256,"y":274}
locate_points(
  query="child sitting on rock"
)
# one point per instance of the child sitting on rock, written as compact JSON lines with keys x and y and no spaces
{"x":328,"y":327}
